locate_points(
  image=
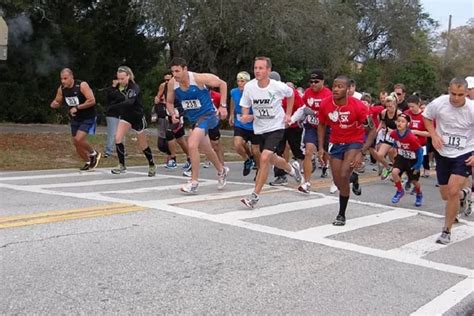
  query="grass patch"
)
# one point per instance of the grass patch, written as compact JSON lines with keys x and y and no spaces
{"x":28,"y":151}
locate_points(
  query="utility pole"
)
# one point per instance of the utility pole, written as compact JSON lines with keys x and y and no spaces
{"x":448,"y":40}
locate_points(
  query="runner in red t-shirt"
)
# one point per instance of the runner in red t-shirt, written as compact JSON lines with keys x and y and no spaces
{"x":374,"y":112}
{"x":409,"y":159}
{"x":347,"y":117}
{"x":417,"y":126}
{"x":308,"y":115}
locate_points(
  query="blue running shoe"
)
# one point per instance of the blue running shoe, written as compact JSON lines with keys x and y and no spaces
{"x":248,"y":165}
{"x":187,"y":166}
{"x":419,"y":199}
{"x":398,"y":195}
{"x":171,"y":164}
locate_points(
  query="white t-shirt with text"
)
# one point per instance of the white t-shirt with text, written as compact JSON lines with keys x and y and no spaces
{"x":266,"y":104}
{"x":454,"y":124}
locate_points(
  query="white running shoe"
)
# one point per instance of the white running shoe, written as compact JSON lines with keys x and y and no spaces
{"x":465,"y":202}
{"x":296,"y":171}
{"x":222,"y":178}
{"x":250,"y":201}
{"x":305,"y":187}
{"x":333,"y":189}
{"x":190,"y":187}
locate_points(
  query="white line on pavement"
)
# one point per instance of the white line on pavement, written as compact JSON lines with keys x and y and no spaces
{"x":95,"y":182}
{"x":217,"y":195}
{"x":422,"y":247}
{"x":447,"y":299}
{"x":355,"y":223}
{"x":276,"y":209}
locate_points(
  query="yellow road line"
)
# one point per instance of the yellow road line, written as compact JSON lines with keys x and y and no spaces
{"x":65,"y":215}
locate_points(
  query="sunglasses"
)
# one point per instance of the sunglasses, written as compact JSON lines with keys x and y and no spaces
{"x":167,"y":80}
{"x":314,"y":81}
{"x":399,"y":94}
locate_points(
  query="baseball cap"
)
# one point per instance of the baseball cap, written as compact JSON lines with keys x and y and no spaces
{"x":243,"y":75}
{"x":317,"y":74}
{"x":470,"y":82}
{"x":275,"y":76}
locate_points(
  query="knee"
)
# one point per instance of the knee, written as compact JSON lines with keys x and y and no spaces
{"x":452,"y":193}
{"x":76,"y":141}
{"x":265,"y":159}
{"x":444,"y":196}
{"x":237,"y":143}
{"x":345,"y":177}
{"x":193,"y":146}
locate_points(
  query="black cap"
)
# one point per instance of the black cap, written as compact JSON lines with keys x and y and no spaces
{"x":317,"y":74}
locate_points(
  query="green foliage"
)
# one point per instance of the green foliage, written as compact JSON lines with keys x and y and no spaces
{"x":417,"y":75}
{"x":390,"y":40}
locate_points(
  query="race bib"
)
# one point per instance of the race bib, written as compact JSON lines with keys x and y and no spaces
{"x":191,"y":104}
{"x":264,"y":113}
{"x":313,"y":120}
{"x":408,"y":154}
{"x":72,"y":101}
{"x":454,"y":141}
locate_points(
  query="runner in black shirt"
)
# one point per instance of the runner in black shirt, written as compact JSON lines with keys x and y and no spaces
{"x":131,"y":116}
{"x":79,"y":98}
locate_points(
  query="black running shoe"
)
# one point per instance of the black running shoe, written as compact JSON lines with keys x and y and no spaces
{"x":356,"y":188}
{"x":324,"y":172}
{"x":86,"y":167}
{"x":95,"y":160}
{"x":339,"y":221}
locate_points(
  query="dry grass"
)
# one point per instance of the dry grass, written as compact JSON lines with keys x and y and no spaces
{"x":21,"y":151}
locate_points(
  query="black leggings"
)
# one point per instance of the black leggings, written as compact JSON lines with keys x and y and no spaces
{"x":293,"y":137}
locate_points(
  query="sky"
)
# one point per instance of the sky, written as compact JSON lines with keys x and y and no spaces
{"x":439,"y":10}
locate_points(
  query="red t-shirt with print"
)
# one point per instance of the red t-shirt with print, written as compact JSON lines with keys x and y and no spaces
{"x":313,"y":100}
{"x":417,"y":123}
{"x":296,"y":105}
{"x":346,"y":121}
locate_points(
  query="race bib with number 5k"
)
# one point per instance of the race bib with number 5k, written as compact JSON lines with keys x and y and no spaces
{"x":72,"y":101}
{"x":191,"y":104}
{"x":264,"y":113}
{"x":454,"y":141}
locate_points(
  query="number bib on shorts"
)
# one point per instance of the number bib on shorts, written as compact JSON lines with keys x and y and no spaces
{"x":264,"y":113}
{"x":408,"y":154}
{"x":72,"y":101}
{"x":191,"y":104}
{"x":312,"y":119}
{"x":454,"y":141}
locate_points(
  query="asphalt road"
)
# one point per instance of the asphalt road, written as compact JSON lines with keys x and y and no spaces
{"x":97,"y":243}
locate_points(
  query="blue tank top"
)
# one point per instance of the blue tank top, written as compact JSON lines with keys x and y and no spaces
{"x":196,"y":102}
{"x":236,"y":94}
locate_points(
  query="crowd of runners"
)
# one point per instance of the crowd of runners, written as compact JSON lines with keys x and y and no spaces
{"x":336,"y":129}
